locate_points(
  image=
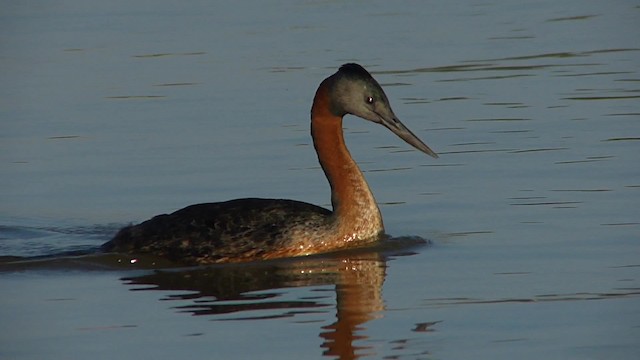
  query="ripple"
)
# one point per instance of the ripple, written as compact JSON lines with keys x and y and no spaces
{"x":572,"y":18}
{"x":621,"y":293}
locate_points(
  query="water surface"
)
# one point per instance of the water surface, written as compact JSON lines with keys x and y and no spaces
{"x":114,"y":112}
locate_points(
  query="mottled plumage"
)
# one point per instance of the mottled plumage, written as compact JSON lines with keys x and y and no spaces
{"x":220,"y":232}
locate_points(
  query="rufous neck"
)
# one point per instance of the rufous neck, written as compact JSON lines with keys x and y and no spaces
{"x":350,"y":193}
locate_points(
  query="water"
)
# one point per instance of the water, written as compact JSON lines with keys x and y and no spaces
{"x":114,"y":112}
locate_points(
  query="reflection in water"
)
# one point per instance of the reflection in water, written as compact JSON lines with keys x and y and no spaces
{"x":359,"y":299}
{"x":253,"y":291}
{"x":357,"y":276}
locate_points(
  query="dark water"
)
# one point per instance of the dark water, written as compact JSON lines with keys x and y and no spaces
{"x":115,"y":112}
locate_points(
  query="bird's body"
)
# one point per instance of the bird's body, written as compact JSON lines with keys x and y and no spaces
{"x":258,"y":229}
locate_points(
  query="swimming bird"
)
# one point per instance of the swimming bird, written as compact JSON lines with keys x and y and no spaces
{"x":253,"y":229}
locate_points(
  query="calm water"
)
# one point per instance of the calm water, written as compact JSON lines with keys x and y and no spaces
{"x":112,"y":112}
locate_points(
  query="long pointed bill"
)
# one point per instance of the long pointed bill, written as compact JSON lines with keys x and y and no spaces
{"x":405,"y":134}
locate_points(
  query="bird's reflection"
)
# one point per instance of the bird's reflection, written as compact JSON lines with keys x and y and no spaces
{"x":358,"y":300}
{"x":357,"y":277}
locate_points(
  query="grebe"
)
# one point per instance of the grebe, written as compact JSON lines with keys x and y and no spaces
{"x":258,"y":229}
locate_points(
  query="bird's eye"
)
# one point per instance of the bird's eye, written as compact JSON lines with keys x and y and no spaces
{"x":369,"y":100}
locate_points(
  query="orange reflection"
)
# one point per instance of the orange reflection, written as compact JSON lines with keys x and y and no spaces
{"x":359,"y":299}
